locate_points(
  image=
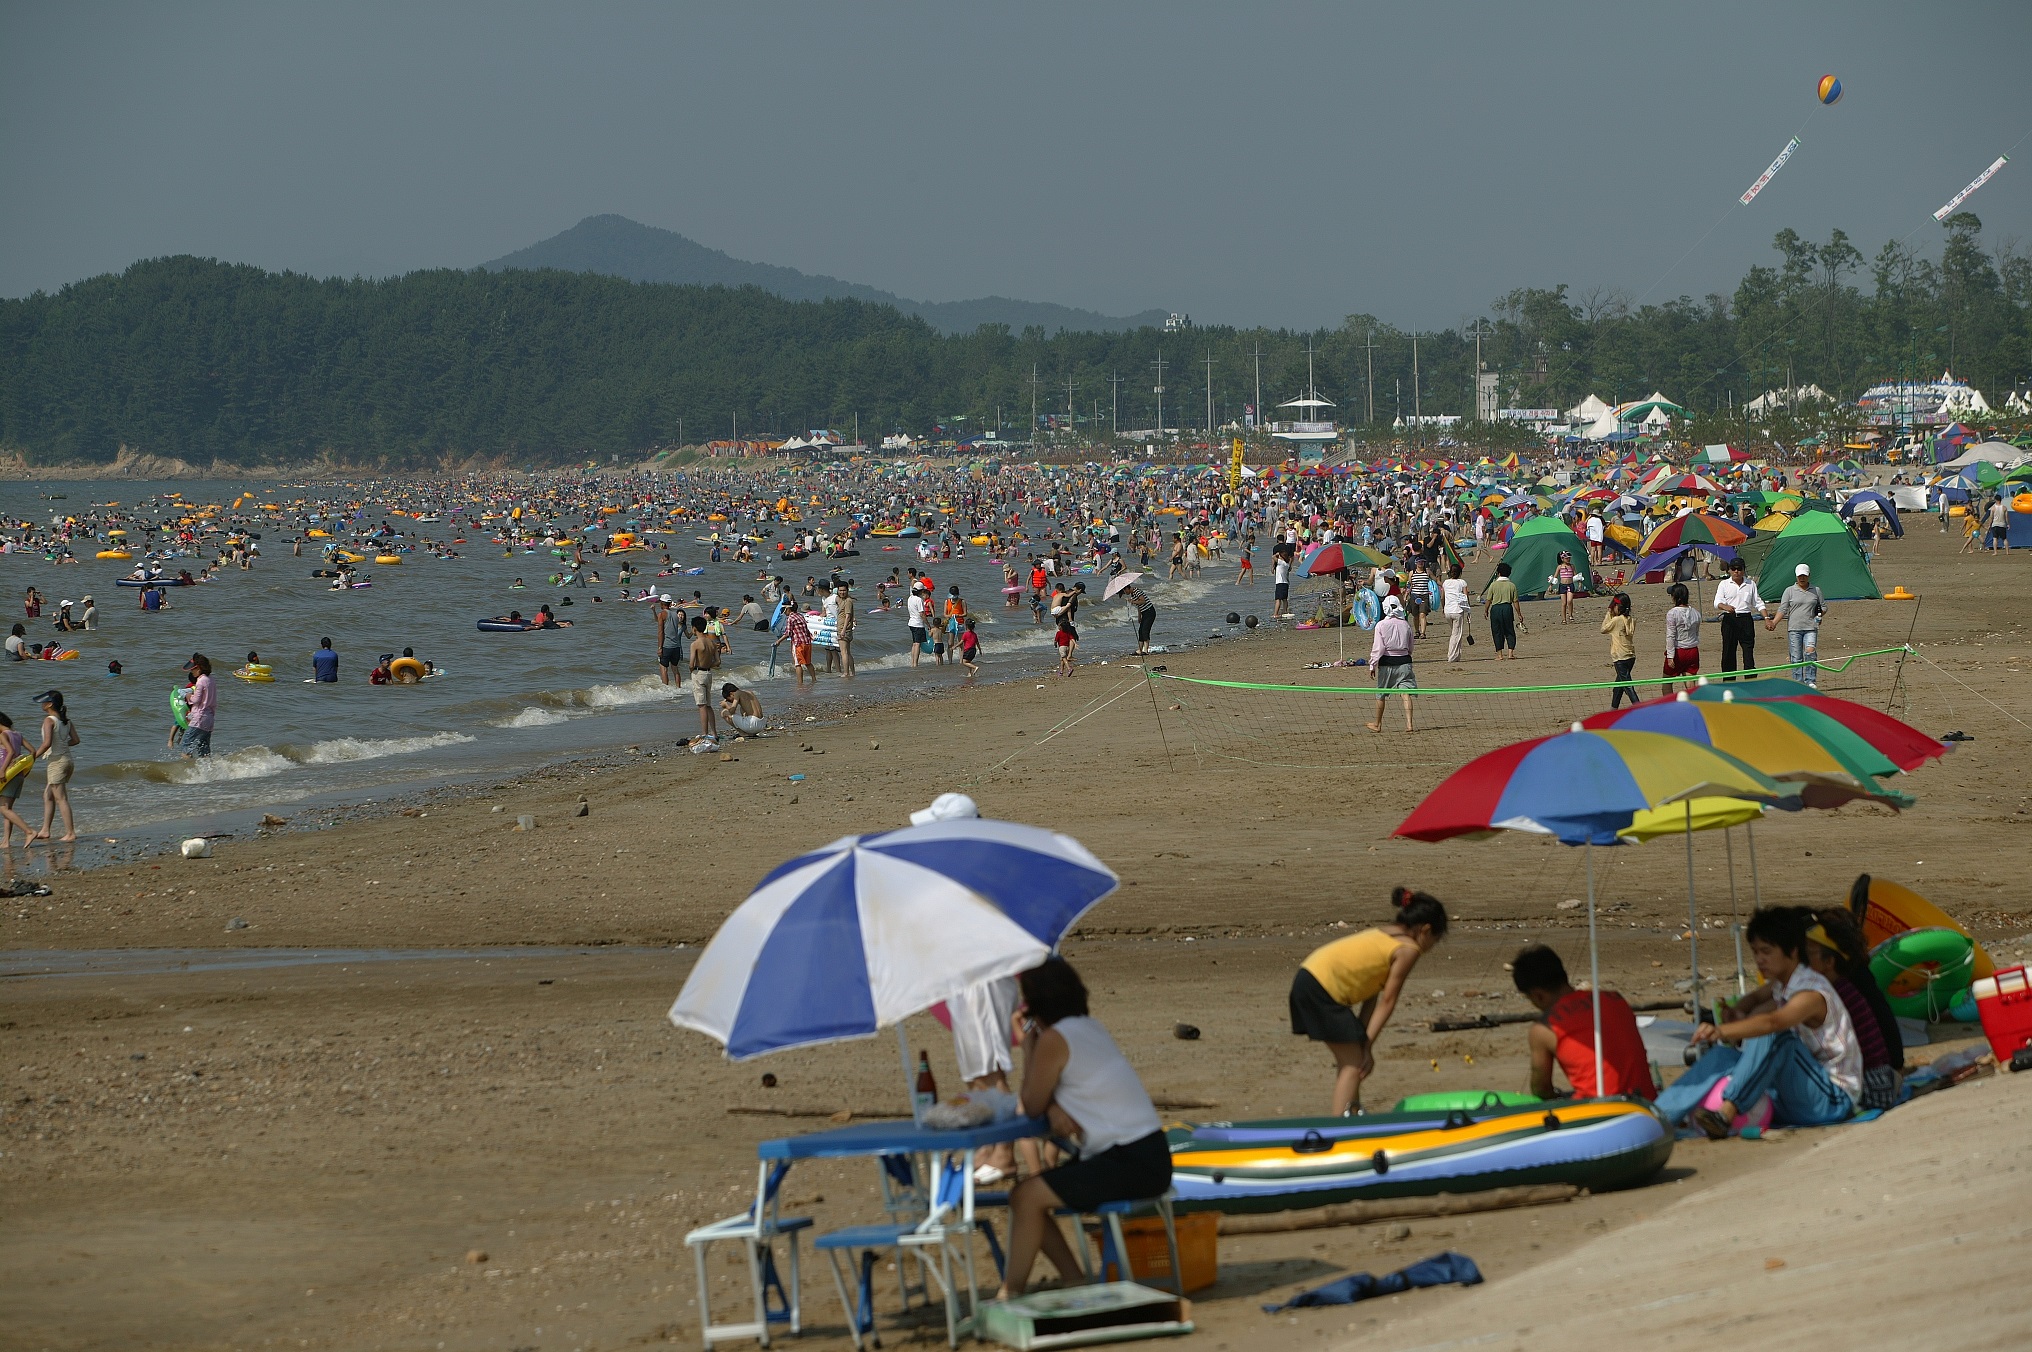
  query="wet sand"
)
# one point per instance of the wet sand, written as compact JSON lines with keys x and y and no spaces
{"x":313,"y":1162}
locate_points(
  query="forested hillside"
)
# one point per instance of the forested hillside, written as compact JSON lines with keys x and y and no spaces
{"x":206,"y":361}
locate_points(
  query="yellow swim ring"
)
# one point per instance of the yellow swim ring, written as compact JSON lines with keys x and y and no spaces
{"x":388,"y":560}
{"x":116,"y":554}
{"x":407,"y":670}
{"x":255,"y":671}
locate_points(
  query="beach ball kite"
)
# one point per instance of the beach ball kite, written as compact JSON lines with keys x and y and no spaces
{"x":1829,"y":91}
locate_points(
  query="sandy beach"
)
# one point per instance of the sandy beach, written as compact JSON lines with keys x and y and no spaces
{"x":506,"y":1150}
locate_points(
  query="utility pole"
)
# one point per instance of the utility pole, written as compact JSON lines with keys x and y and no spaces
{"x":1031,"y":438}
{"x":1158,"y":390}
{"x":1478,"y":368}
{"x":1210,"y":392}
{"x":1369,"y":346}
{"x":1070,"y":386}
{"x":1114,"y":406}
{"x":1259,"y":384}
{"x":1417,"y":408}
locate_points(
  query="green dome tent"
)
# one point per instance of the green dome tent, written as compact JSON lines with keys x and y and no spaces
{"x":1821,"y":542}
{"x":1534,"y":553}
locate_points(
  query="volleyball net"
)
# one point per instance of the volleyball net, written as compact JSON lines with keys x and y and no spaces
{"x":1317,"y":727}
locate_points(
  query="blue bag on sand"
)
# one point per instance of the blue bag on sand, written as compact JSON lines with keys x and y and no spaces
{"x":1444,"y":1269}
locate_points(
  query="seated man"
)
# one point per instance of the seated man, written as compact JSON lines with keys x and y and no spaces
{"x":1566,"y":1034}
{"x":1797,"y":1043}
{"x":740,"y":708}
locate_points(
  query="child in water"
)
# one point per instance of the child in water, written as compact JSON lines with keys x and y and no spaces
{"x":1345,"y":991}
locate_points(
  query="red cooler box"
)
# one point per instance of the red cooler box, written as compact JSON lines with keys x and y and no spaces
{"x":2004,"y":1002}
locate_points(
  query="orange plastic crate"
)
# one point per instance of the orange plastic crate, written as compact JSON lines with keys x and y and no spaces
{"x":1150,"y":1258}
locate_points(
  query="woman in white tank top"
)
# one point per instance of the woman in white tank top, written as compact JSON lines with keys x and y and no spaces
{"x":1075,"y":1075}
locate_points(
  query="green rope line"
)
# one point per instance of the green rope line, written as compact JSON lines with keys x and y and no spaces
{"x":1837,"y":668}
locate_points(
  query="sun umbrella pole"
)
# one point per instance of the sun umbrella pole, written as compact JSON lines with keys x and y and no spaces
{"x":1735,"y":910}
{"x":909,"y":1084}
{"x":1594,"y":966}
{"x":1692,"y":914}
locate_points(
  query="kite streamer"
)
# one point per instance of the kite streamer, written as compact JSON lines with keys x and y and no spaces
{"x":1984,"y":177}
{"x":1772,"y":172}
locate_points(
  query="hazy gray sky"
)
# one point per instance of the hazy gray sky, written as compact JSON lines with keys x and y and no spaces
{"x":1283,"y":164}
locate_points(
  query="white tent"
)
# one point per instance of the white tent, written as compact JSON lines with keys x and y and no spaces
{"x":1657,"y":417}
{"x":1603,"y":427}
{"x":1770,"y":401}
{"x":1991,"y":452}
{"x":1589,"y":410}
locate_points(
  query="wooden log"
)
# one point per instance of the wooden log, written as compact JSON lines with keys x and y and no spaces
{"x":1400,"y":1208}
{"x":1498,"y":1020}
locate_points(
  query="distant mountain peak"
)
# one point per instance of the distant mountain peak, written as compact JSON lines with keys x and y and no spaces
{"x":618,"y":247}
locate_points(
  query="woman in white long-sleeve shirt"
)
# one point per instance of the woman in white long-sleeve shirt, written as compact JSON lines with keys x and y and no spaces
{"x":1390,"y":661}
{"x":1682,"y":640}
{"x":1075,"y":1075}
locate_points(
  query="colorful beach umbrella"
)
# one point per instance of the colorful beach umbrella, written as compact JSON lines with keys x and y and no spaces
{"x":1584,"y":788}
{"x":858,"y":936}
{"x":1896,"y":740}
{"x":1694,"y":528}
{"x":1831,"y":764}
{"x":1684,"y":485}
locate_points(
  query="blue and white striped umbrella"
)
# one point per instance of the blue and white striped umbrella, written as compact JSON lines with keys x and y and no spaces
{"x":862,"y":934}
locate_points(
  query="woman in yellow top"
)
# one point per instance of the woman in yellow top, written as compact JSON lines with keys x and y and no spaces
{"x":1345,"y":992}
{"x":1622,"y":632}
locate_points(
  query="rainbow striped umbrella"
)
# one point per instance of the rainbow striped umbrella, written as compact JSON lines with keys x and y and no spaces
{"x":1831,"y":764}
{"x":1896,"y":740}
{"x":1693,"y":528}
{"x":1584,"y":787}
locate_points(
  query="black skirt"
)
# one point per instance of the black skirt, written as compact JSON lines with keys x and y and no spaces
{"x":1133,"y":1172}
{"x":1319,"y":1016}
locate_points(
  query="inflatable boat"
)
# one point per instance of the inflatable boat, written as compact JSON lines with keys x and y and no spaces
{"x":1290,"y":1163}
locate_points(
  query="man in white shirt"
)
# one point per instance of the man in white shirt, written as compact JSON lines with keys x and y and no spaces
{"x":1741,"y":607}
{"x":1282,"y":577}
{"x":1594,"y":537}
{"x":914,"y":613}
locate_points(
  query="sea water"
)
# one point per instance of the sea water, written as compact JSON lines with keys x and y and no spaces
{"x":506,"y":702}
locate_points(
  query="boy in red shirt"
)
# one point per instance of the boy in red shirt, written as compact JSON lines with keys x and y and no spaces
{"x":1567,"y":1032}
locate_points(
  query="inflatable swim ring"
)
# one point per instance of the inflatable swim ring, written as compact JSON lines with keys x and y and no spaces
{"x":1895,"y":908}
{"x":388,"y":560}
{"x":254,"y":671}
{"x":407,"y":670}
{"x":1924,"y":970}
{"x":179,"y":705}
{"x":1367,"y":609}
{"x":504,"y":626}
{"x":116,"y":554}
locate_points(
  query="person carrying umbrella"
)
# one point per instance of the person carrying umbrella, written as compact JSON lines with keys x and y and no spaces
{"x":1390,"y":661}
{"x":1146,"y":612}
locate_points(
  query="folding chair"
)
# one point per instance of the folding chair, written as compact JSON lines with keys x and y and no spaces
{"x":756,"y":1229}
{"x":939,"y":1229}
